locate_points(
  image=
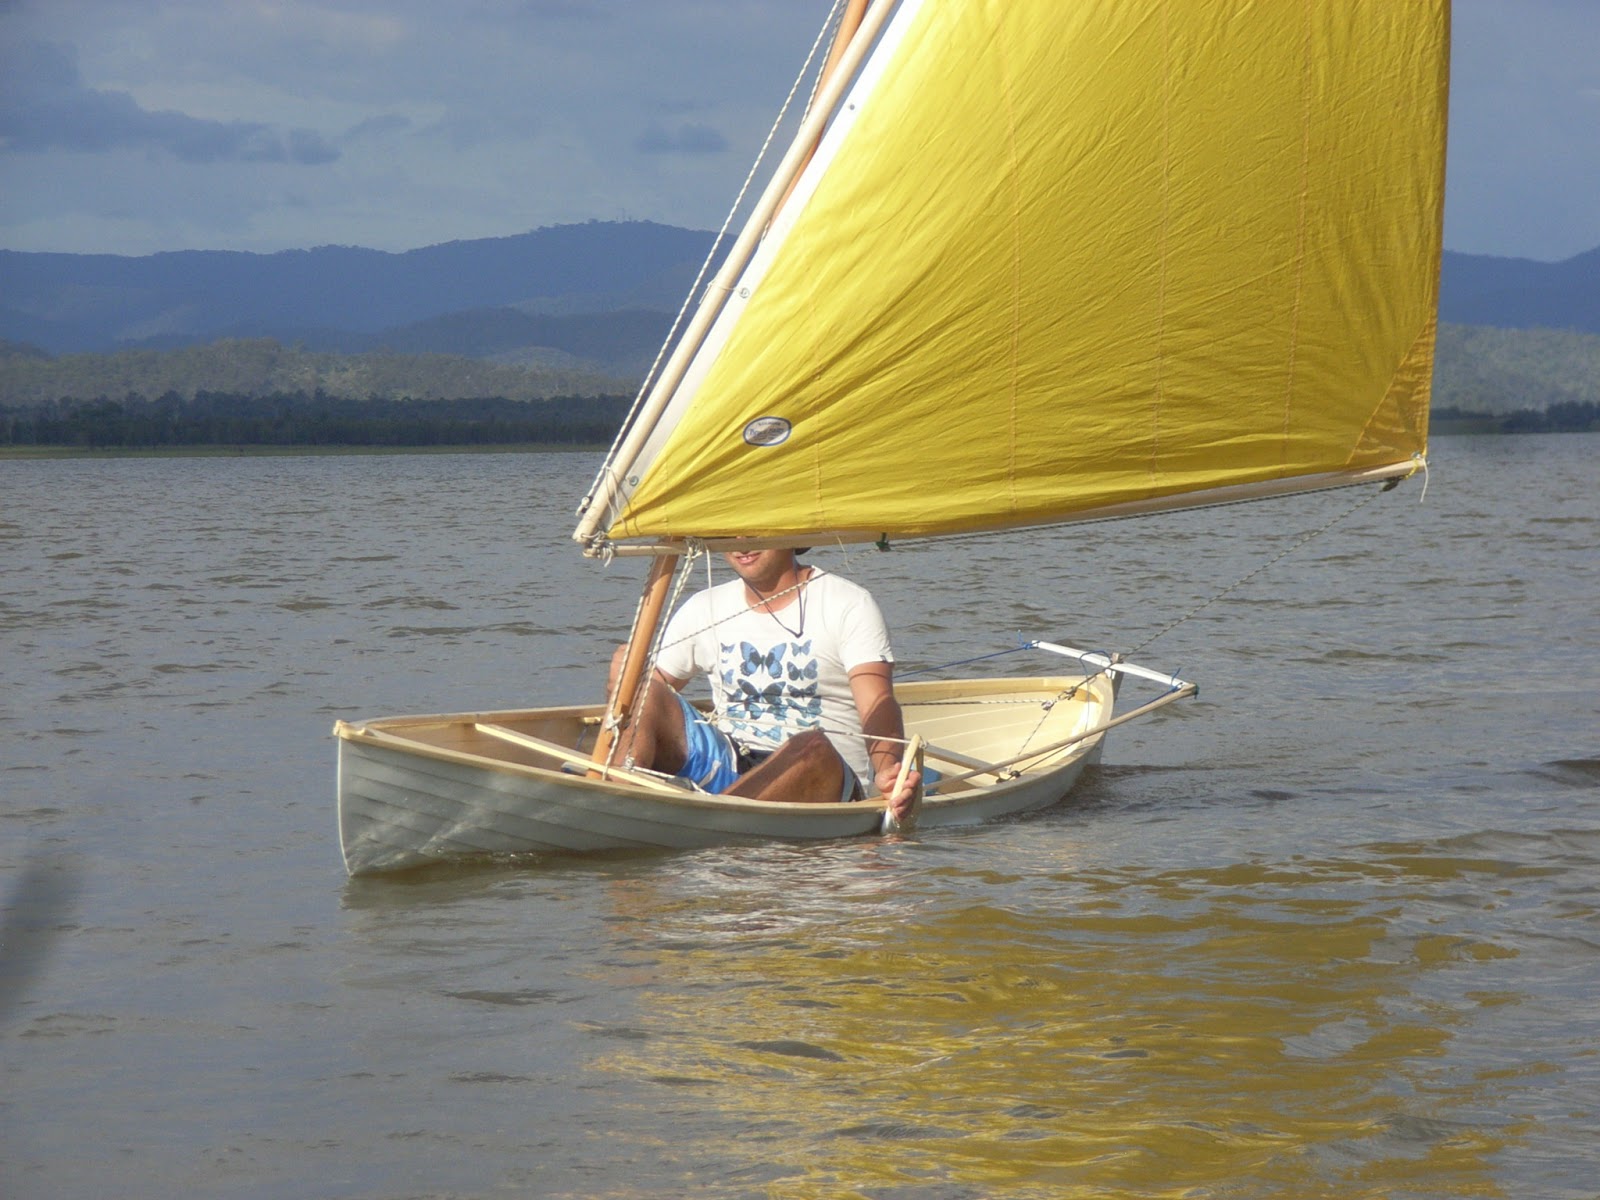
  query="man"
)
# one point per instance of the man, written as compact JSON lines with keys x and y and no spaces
{"x":803,"y":680}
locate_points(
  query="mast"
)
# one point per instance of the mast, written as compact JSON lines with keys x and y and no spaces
{"x":636,"y":660}
{"x":848,"y":25}
{"x":635,"y":664}
{"x":596,"y":513}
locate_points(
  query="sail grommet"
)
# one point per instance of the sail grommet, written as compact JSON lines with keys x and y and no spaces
{"x":767,"y":431}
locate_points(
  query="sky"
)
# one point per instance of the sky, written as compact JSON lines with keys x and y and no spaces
{"x":137,"y":126}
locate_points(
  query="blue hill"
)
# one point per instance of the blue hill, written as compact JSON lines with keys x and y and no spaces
{"x":88,"y":302}
{"x":602,"y":291}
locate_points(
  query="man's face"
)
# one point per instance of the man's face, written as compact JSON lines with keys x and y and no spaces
{"x":763,"y":570}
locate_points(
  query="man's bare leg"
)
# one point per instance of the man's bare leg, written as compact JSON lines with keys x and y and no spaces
{"x":655,"y":738}
{"x":806,"y":769}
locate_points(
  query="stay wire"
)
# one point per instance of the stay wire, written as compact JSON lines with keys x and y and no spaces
{"x":1296,"y":545}
{"x":1238,"y":583}
{"x":1068,"y":693}
{"x":832,"y":21}
{"x":1271,"y":562}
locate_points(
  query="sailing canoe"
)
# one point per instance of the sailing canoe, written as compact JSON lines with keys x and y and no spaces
{"x":1071,"y":261}
{"x":420,"y":789}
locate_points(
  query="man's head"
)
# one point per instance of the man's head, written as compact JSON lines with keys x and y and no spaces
{"x":766,"y":571}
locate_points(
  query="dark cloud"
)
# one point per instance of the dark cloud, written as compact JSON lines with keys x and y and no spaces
{"x":377,"y":127}
{"x":686,"y":139}
{"x":310,"y":148}
{"x":45,"y":106}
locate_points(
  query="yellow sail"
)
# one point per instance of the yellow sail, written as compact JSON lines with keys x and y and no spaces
{"x":1055,"y":260}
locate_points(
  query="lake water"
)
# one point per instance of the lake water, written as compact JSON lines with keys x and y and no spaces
{"x":1331,"y":929}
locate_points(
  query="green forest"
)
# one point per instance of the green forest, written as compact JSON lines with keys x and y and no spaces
{"x":263,"y":366}
{"x":309,"y":419}
{"x":257,"y":392}
{"x":1520,"y":375}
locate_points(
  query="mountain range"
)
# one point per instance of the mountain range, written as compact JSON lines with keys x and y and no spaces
{"x":1521,"y":293}
{"x":594,"y":298}
{"x":603,"y":292}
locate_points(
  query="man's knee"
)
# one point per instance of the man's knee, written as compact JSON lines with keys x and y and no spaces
{"x":811,"y":745}
{"x":805,"y":768}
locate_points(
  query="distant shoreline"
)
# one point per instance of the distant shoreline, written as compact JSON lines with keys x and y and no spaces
{"x":1449,"y":428}
{"x":266,"y":451}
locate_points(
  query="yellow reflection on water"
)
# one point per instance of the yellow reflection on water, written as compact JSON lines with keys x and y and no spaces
{"x":1160,"y":1035}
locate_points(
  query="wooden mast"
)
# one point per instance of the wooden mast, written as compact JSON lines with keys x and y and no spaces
{"x":635,"y":659}
{"x":848,"y":24}
{"x":596,"y":506}
{"x":630,"y":680}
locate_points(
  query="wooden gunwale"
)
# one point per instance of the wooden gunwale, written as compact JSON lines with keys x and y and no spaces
{"x":391,"y":732}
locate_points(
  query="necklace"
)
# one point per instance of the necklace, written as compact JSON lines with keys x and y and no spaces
{"x":800,"y":604}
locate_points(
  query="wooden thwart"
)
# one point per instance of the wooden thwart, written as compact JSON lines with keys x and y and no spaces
{"x":557,"y":751}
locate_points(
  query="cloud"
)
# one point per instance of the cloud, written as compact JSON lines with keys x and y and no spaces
{"x":377,"y":128}
{"x":46,"y":107}
{"x":141,"y":125}
{"x":685,"y":139}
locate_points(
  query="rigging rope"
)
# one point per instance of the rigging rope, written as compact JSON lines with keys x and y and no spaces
{"x":650,"y":376}
{"x":1280,"y":556}
{"x":1200,"y":608}
{"x":692,"y":551}
{"x":1238,"y":583}
{"x":1169,"y":627}
{"x":696,"y":549}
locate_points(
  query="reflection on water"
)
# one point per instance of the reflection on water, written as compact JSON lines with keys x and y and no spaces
{"x":1051,"y":1031}
{"x":1332,"y":929}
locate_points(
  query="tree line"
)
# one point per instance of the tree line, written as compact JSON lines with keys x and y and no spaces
{"x":1567,"y":416}
{"x":1515,"y":374}
{"x":318,"y":419}
{"x":264,"y":367}
{"x":309,"y":419}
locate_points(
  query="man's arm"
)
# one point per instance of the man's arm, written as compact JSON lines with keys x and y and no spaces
{"x":872,"y":686}
{"x":672,"y":681}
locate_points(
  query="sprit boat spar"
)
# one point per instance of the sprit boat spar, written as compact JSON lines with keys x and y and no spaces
{"x":1095,"y":260}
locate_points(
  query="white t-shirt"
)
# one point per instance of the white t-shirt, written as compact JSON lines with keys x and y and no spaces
{"x":775,"y":674}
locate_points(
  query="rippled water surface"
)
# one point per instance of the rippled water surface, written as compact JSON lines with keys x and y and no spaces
{"x":1330,"y":929}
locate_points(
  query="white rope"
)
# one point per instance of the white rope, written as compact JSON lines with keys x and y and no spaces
{"x":717,"y":621}
{"x":1238,"y":583}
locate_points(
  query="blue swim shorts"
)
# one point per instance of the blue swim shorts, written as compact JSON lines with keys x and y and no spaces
{"x":713,"y":761}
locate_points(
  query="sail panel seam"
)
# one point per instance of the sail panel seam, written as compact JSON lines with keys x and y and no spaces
{"x":1161,"y":266}
{"x":1008,"y":91}
{"x":1300,"y":230}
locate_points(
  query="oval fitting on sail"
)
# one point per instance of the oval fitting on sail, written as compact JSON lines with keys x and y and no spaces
{"x":767,"y":431}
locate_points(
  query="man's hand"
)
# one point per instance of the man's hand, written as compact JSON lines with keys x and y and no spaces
{"x":872,"y":685}
{"x":899,"y":801}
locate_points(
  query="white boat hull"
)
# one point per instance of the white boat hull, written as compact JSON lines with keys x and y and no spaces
{"x":414,"y":790}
